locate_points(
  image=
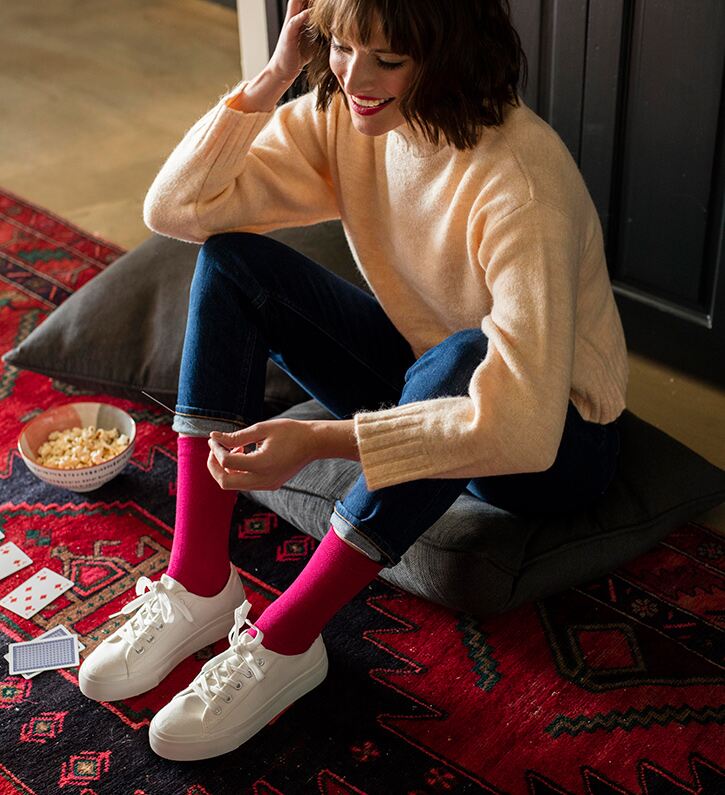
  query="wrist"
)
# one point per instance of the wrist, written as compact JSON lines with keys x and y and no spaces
{"x":260,"y":94}
{"x":333,"y":439}
{"x":274,"y":75}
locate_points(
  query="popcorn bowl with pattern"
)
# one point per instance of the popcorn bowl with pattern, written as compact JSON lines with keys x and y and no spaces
{"x":78,"y":416}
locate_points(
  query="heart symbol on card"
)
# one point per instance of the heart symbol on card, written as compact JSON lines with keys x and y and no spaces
{"x":44,"y":596}
{"x":29,"y":588}
{"x":28,"y":598}
{"x":43,"y":577}
{"x":58,"y":585}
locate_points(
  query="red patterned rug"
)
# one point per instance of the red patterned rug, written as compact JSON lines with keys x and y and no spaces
{"x":614,"y":687}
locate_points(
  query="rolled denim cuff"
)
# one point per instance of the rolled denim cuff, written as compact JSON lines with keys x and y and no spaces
{"x":192,"y":424}
{"x":192,"y":427}
{"x":343,"y":523}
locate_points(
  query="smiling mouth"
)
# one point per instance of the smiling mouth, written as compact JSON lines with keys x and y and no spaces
{"x":370,"y":102}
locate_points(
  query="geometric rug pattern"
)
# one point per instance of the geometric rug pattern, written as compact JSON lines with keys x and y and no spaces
{"x":614,"y":687}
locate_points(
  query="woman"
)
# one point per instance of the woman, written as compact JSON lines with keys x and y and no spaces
{"x":491,"y":357}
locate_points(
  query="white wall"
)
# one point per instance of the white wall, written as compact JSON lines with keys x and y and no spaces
{"x":252,"y":20}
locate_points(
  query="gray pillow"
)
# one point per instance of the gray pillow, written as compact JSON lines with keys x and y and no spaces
{"x":123,"y":331}
{"x":481,"y":559}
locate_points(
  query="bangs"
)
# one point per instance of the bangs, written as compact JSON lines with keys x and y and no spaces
{"x":357,"y":20}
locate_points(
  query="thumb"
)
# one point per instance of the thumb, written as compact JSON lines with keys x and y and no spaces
{"x":236,"y":438}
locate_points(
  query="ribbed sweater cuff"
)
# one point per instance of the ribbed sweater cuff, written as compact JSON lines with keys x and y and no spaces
{"x":390,"y":445}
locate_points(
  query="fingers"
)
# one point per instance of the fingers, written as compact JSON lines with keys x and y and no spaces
{"x":230,"y":459}
{"x":244,"y":438}
{"x":252,"y":433}
{"x":295,"y":7}
{"x":225,"y":479}
{"x":237,"y":481}
{"x":301,"y":18}
{"x":297,"y":17}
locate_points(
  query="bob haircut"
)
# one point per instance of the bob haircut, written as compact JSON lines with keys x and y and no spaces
{"x":468,"y":55}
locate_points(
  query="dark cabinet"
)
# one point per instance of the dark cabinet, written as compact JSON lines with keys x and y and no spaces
{"x":635,"y":88}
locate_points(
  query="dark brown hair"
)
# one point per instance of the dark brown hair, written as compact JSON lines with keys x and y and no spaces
{"x":468,"y":54}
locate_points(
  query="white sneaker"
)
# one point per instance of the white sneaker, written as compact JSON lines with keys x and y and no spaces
{"x":171,"y":624}
{"x":235,"y":695}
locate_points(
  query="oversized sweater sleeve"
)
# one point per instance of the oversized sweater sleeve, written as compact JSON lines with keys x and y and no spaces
{"x":236,"y":171}
{"x":512,"y":418}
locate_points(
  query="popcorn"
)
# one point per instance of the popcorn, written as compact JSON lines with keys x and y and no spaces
{"x":75,"y":448}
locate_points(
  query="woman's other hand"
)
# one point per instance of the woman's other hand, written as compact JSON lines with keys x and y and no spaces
{"x":283,"y":448}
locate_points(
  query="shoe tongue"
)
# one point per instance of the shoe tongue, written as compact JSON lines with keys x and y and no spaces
{"x":171,"y":584}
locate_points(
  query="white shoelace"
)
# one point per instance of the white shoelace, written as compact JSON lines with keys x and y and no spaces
{"x":155,"y":600}
{"x":210,"y":683}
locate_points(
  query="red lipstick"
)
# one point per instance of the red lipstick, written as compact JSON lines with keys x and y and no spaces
{"x":363,"y":111}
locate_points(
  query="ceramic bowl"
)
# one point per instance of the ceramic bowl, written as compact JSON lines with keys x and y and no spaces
{"x":72,"y":415}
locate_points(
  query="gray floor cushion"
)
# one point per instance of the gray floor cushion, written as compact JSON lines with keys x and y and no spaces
{"x":480,"y":559}
{"x":123,"y":332}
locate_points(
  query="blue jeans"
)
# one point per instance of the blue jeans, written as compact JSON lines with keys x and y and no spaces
{"x":254,"y":298}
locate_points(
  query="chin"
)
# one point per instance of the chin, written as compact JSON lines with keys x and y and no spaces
{"x":373,"y":133}
{"x":371,"y":126}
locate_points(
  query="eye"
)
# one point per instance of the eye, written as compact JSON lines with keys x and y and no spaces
{"x":390,"y":64}
{"x":381,"y":63}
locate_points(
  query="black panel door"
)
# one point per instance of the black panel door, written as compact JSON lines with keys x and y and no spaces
{"x":635,"y":88}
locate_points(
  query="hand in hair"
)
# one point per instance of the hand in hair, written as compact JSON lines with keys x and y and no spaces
{"x":294,"y":48}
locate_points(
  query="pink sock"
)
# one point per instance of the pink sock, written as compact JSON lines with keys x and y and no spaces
{"x":332,"y":577}
{"x":200,"y":552}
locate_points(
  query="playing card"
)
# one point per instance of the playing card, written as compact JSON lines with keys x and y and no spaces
{"x":12,"y":559}
{"x":36,"y":655}
{"x":56,"y":632}
{"x":37,"y":592}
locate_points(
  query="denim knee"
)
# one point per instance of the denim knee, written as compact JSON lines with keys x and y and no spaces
{"x":223,"y":243}
{"x":214,"y":256}
{"x":230,"y":254}
{"x":248,"y":247}
{"x":446,"y":368}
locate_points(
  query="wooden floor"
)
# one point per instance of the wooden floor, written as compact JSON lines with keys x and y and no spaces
{"x":94,"y":95}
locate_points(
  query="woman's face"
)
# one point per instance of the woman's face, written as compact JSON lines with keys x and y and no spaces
{"x":368,"y":75}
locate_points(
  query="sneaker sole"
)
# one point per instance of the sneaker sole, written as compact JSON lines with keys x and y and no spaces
{"x":171,"y":748}
{"x":104,"y":690}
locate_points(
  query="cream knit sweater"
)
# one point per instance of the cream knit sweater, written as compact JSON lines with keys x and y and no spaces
{"x":504,"y":237}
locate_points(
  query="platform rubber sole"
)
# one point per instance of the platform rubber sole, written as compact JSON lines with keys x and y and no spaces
{"x":218,"y":744}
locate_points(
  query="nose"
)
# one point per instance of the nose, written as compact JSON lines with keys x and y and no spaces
{"x":358,"y":79}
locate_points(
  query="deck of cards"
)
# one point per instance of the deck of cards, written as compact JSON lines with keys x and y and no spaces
{"x":56,"y":648}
